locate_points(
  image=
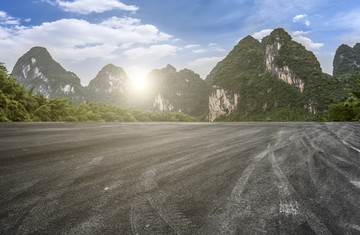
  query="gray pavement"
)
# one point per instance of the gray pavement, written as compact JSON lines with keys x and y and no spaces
{"x":180,"y":178}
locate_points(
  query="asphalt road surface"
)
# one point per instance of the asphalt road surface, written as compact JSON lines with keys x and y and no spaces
{"x":180,"y":178}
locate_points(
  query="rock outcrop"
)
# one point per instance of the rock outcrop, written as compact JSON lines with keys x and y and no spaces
{"x":177,"y":91}
{"x":221,"y":103}
{"x":162,"y":104}
{"x":38,"y":69}
{"x":284,"y":73}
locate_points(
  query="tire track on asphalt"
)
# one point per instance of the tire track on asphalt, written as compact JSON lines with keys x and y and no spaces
{"x":43,"y":210}
{"x":289,"y":204}
{"x":229,"y":218}
{"x":149,"y":214}
{"x":324,"y":156}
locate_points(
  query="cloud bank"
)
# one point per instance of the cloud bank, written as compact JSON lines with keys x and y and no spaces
{"x":93,"y":6}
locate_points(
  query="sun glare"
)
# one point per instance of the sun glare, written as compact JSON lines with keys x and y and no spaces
{"x":137,"y":76}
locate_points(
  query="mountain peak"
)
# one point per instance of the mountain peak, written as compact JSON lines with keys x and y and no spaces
{"x":37,"y":68}
{"x":280,"y":34}
{"x":357,"y":47}
{"x":170,"y":68}
{"x":248,"y":39}
{"x":346,"y":60}
{"x":38,"y":51}
{"x":109,"y":66}
{"x":112,"y":68}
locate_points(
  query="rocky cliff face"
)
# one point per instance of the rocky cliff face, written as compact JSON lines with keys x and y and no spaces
{"x":37,"y":68}
{"x":178,"y":91}
{"x":162,"y":104}
{"x":221,"y":103}
{"x":347,"y":60}
{"x":284,"y":73}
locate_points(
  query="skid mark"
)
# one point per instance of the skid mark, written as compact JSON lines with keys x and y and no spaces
{"x":352,"y":226}
{"x":310,"y":161}
{"x":193,"y":160}
{"x":356,"y":183}
{"x":149,"y":216}
{"x":350,"y":146}
{"x":95,"y":161}
{"x":44,"y":210}
{"x":149,"y":213}
{"x":175,"y":219}
{"x":114,"y":185}
{"x":133,"y":220}
{"x":148,"y":181}
{"x":228,"y":219}
{"x":290,"y":206}
{"x":239,"y":188}
{"x":288,"y":209}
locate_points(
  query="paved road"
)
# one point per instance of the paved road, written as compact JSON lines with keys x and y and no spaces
{"x":180,"y":178}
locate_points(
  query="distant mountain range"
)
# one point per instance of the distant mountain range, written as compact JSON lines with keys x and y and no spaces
{"x":275,"y":79}
{"x":182,"y":91}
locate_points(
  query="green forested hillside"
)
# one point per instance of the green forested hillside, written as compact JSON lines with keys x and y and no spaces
{"x":251,"y":70}
{"x":20,"y":104}
{"x":349,"y":110}
{"x":347,"y":60}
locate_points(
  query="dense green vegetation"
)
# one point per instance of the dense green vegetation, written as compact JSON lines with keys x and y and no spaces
{"x":348,"y":110}
{"x":19,"y":104}
{"x":242,"y":66}
{"x":263,"y":97}
{"x":347,"y":60}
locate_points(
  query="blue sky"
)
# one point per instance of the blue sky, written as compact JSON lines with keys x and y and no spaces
{"x":140,"y":35}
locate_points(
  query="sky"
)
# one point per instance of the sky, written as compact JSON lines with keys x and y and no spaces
{"x":141,"y":35}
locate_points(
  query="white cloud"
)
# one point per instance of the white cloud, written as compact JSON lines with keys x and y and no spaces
{"x":297,"y":36}
{"x":152,"y":53}
{"x":203,"y":66}
{"x":297,"y":33}
{"x":72,"y":34}
{"x":302,"y":18}
{"x":96,"y":6}
{"x":305,"y":41}
{"x":299,"y":17}
{"x":261,"y":34}
{"x":212,"y":44}
{"x":278,"y":12}
{"x":192,"y":46}
{"x":175,"y":40}
{"x":27,"y":20}
{"x":5,"y":19}
{"x":76,"y":42}
{"x":199,"y":51}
